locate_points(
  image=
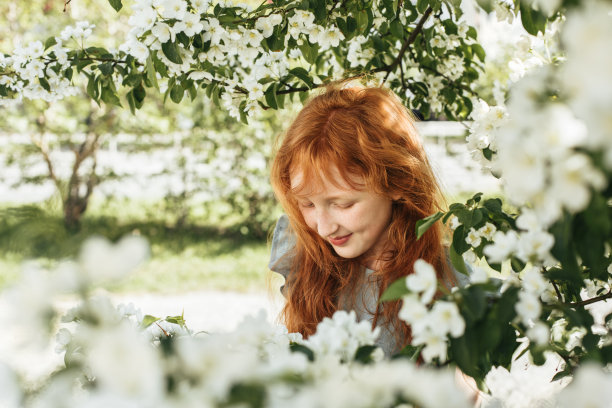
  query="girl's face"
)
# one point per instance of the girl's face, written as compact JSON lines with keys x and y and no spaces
{"x":353,"y":221}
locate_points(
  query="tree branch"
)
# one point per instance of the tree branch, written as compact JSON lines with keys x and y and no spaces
{"x":557,"y":291}
{"x":407,"y":43}
{"x":592,"y":300}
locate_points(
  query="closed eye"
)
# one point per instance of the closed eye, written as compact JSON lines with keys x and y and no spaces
{"x":345,"y":205}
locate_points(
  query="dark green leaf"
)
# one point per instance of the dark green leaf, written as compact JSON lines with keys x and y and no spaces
{"x":93,"y":87}
{"x":423,"y":225}
{"x":457,"y":261}
{"x":171,"y":51}
{"x":270,"y":95}
{"x":116,"y":4}
{"x":176,"y":93}
{"x":479,"y":51}
{"x":45,"y":84}
{"x":533,"y":21}
{"x":51,"y":41}
{"x":151,"y":73}
{"x":303,"y":75}
{"x":110,"y":97}
{"x":298,"y":348}
{"x":364,"y":354}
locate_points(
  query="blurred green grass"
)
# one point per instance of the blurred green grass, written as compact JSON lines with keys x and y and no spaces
{"x":198,"y":255}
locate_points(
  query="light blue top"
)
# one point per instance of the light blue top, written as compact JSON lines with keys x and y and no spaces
{"x":281,"y":260}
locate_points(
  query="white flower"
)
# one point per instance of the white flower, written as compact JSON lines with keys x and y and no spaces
{"x":199,"y":75}
{"x":138,"y":375}
{"x":504,"y":244}
{"x":435,"y":345}
{"x":591,"y":387}
{"x":144,"y":18}
{"x":173,"y":9}
{"x":572,"y":178}
{"x":478,"y":275}
{"x":487,"y":231}
{"x":423,"y":280}
{"x":528,"y":220}
{"x":445,"y":318}
{"x":255,"y":89}
{"x":253,"y":38}
{"x":190,"y":25}
{"x":454,"y":222}
{"x":414,"y":313}
{"x":213,"y":31}
{"x":200,"y":6}
{"x":534,"y":244}
{"x":533,"y":281}
{"x":528,"y":307}
{"x":267,"y":24}
{"x":438,"y":42}
{"x":331,"y":37}
{"x":473,"y":238}
{"x":105,"y":262}
{"x":163,"y":32}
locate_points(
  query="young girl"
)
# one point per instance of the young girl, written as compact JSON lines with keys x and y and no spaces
{"x":353,"y":179}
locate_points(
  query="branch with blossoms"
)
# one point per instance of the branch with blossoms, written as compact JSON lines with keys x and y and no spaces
{"x":245,"y":59}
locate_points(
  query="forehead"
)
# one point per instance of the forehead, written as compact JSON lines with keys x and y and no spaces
{"x":306,"y":183}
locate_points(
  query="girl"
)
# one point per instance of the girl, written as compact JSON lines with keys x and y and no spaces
{"x":353,"y":179}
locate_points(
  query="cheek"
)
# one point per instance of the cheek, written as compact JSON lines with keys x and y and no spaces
{"x":309,"y":218}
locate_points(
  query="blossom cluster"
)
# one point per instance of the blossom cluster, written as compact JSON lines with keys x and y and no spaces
{"x":430,"y":326}
{"x":244,"y":57}
{"x":115,"y":356}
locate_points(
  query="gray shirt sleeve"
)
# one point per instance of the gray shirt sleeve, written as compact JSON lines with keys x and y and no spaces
{"x":282,"y":251}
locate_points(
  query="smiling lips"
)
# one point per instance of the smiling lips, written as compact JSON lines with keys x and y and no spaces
{"x":338,"y":241}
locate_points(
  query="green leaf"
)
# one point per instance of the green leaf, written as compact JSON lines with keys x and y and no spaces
{"x":131,"y":103}
{"x":171,"y":51}
{"x":320,"y":10}
{"x":302,"y":74}
{"x":116,"y":4}
{"x":395,"y":291}
{"x":45,"y":84}
{"x":362,"y":20}
{"x":410,"y":352}
{"x":532,"y":20}
{"x":364,"y":354}
{"x":422,"y":5}
{"x":486,"y":5}
{"x":151,"y":73}
{"x":298,"y":348}
{"x":148,"y":320}
{"x":310,"y":52}
{"x":110,"y":97}
{"x":92,"y":87}
{"x":457,"y":261}
{"x":423,"y":225}
{"x":176,"y":320}
{"x":176,"y":93}
{"x":51,"y":41}
{"x":396,"y":28}
{"x":479,"y":51}
{"x":106,"y":68}
{"x":270,"y":95}
{"x":494,"y":205}
{"x":473,"y":304}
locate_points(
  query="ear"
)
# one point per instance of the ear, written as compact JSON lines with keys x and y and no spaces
{"x":396,"y":197}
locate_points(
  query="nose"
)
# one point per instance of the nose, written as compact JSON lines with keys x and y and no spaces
{"x":326,"y":224}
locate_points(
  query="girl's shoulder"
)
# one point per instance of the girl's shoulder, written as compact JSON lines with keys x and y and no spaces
{"x":282,"y":248}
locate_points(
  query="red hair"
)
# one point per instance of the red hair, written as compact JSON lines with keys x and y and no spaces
{"x":365,"y":132}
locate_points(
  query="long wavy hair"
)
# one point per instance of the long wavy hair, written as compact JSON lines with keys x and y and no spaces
{"x":364,"y":132}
